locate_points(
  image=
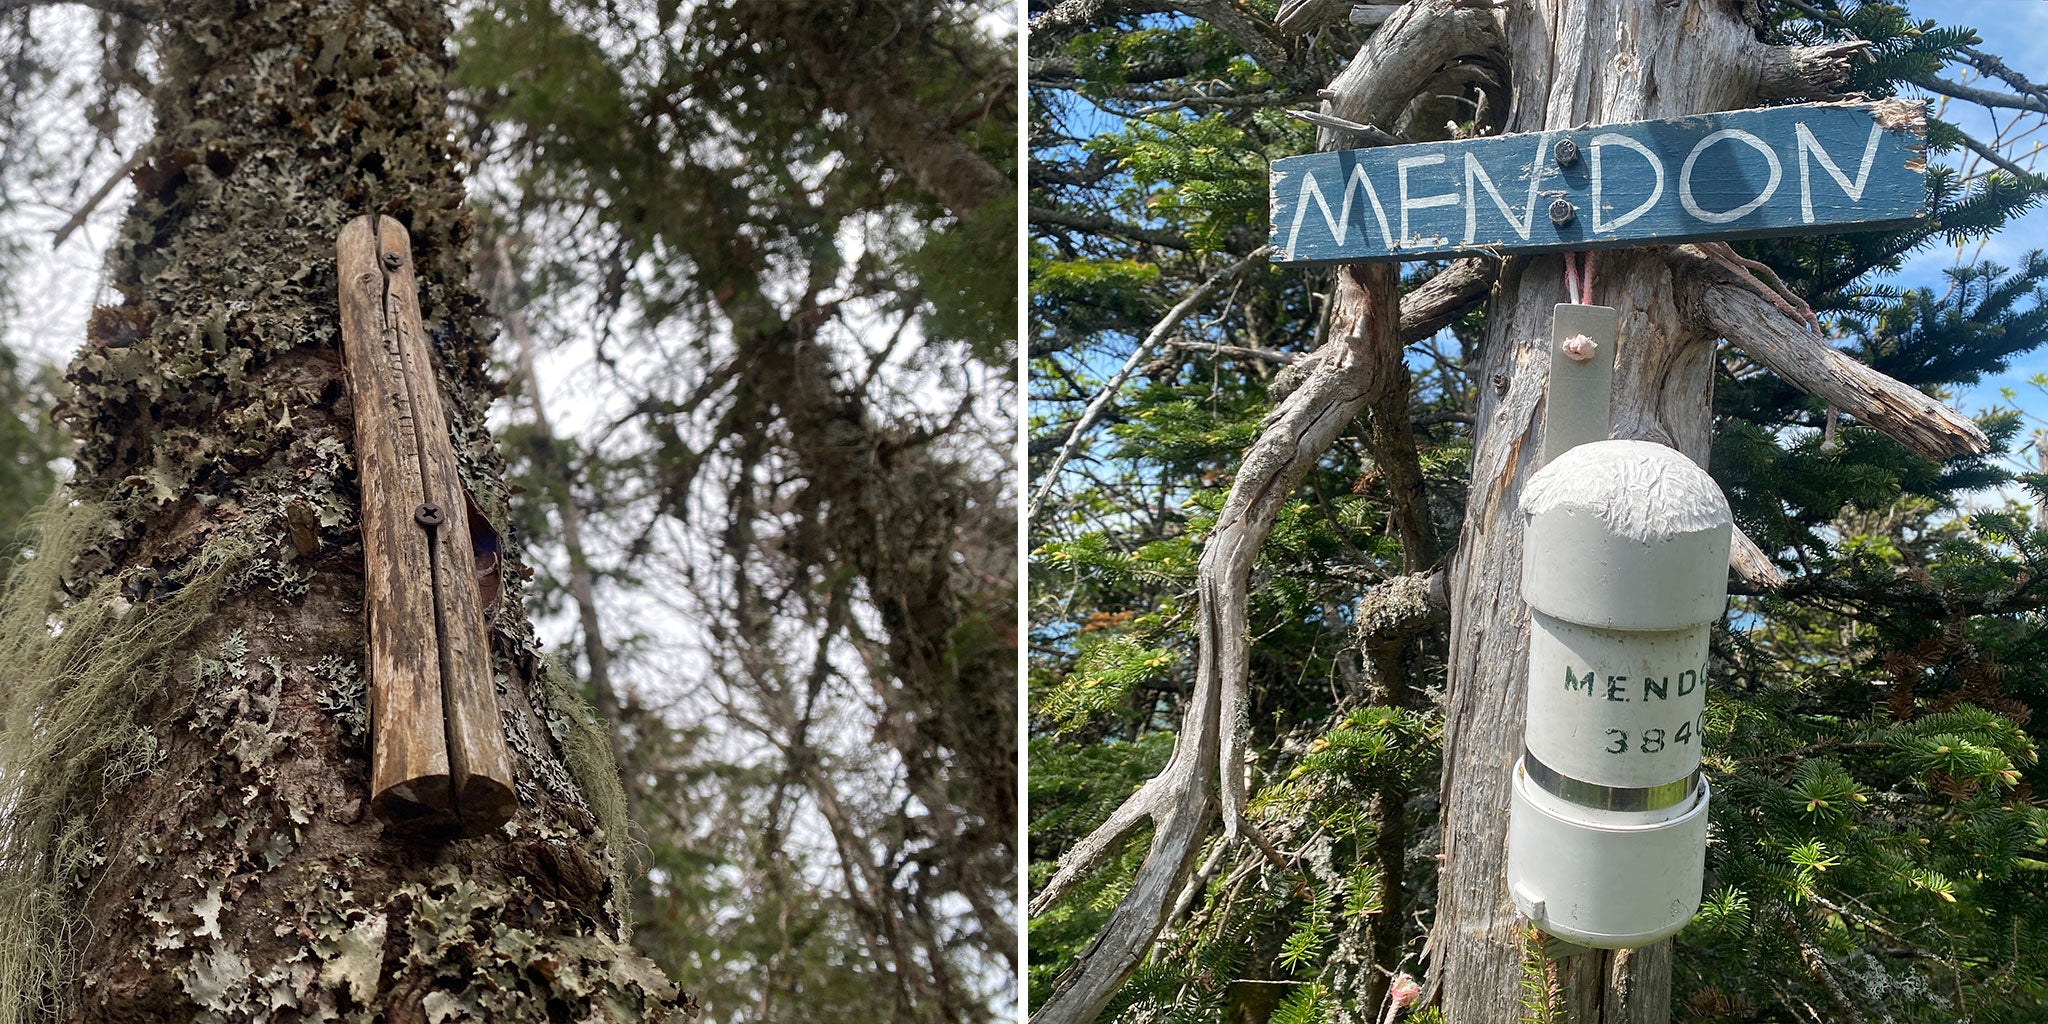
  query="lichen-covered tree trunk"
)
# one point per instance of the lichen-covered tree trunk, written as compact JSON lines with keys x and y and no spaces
{"x":1572,"y":63}
{"x":225,"y":865}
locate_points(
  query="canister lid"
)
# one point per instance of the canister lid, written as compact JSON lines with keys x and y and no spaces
{"x":1626,"y":535}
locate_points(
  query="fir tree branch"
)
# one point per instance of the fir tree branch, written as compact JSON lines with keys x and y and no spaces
{"x":1100,"y":224}
{"x":1078,"y":432}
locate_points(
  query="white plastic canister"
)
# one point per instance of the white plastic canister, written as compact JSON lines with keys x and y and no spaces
{"x":1625,"y":569}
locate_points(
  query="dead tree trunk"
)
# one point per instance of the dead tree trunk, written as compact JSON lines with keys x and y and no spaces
{"x":226,"y":863}
{"x":1572,"y":63}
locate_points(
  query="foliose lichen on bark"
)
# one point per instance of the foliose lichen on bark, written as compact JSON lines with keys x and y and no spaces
{"x":191,"y":840}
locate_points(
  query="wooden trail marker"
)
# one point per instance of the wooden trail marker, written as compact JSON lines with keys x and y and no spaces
{"x":437,"y":747}
{"x":1742,"y":174}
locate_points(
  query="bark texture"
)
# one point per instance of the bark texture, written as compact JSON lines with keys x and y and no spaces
{"x":1572,"y":62}
{"x":240,"y":878}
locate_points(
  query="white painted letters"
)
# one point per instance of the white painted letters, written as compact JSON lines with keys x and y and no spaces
{"x":1809,"y":144}
{"x":1600,"y":142}
{"x":1692,"y":206}
{"x":1474,"y":172}
{"x":1421,"y":202}
{"x":1339,"y":222}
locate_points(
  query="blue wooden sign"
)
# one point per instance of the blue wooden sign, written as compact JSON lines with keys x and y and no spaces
{"x":1742,"y":174}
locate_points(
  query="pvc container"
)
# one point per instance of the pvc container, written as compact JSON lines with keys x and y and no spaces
{"x":1625,"y":569}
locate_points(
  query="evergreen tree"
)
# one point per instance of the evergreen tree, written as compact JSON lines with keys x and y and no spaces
{"x":1875,"y":834}
{"x":799,"y":218}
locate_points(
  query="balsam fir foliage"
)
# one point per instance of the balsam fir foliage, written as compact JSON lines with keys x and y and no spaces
{"x":1877,"y":846}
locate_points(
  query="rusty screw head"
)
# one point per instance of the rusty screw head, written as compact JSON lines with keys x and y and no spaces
{"x":1562,"y":212}
{"x":393,"y":261}
{"x":1567,"y":152}
{"x":428,"y":515}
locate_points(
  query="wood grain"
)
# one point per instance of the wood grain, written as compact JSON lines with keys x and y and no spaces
{"x":438,"y":756}
{"x":1792,"y":170}
{"x":1578,"y":62}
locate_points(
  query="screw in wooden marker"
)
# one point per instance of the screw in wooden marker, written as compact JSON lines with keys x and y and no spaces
{"x":437,"y":748}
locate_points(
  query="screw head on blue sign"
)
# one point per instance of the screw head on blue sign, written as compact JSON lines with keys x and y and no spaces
{"x":1789,"y":170}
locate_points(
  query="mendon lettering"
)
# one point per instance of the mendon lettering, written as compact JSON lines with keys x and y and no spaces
{"x":1742,"y":174}
{"x":1618,"y":687}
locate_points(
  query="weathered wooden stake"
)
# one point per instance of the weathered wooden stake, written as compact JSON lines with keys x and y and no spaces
{"x":437,"y":748}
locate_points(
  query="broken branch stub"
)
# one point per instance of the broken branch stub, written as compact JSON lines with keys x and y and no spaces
{"x":437,"y":747}
{"x":1751,"y":323}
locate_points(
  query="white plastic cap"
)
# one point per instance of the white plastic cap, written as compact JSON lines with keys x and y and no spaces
{"x":1626,"y":535}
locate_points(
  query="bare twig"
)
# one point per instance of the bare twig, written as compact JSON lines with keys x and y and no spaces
{"x":1078,"y":433}
{"x":1999,"y":160}
{"x":92,"y":203}
{"x":1365,"y":133}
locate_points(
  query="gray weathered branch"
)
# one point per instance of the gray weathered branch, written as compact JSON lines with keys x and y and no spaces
{"x":1752,"y":565}
{"x":1181,"y":798}
{"x":1418,"y":41}
{"x":1230,"y":19}
{"x":1981,"y":97}
{"x":1806,"y":361}
{"x":1431,"y":307}
{"x":1808,"y":72}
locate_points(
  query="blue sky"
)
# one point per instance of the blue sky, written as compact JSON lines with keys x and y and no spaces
{"x":2017,"y":31}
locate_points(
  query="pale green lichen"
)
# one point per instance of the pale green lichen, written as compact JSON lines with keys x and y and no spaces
{"x":587,"y":753}
{"x":79,"y":676}
{"x":344,"y":697}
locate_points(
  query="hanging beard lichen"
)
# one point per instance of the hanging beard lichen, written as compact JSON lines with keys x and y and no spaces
{"x":78,"y":674}
{"x":587,"y":754}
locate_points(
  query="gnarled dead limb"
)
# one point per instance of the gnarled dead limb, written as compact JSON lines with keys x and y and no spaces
{"x":1806,"y":361}
{"x":1179,"y":800}
{"x":1751,"y":565}
{"x":1420,"y":39}
{"x":1300,"y":17}
{"x":1364,"y":317}
{"x":1431,"y":307}
{"x":1247,"y":32}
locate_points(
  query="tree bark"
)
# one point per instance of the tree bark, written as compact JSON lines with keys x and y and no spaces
{"x":241,"y":873}
{"x":1572,"y":62}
